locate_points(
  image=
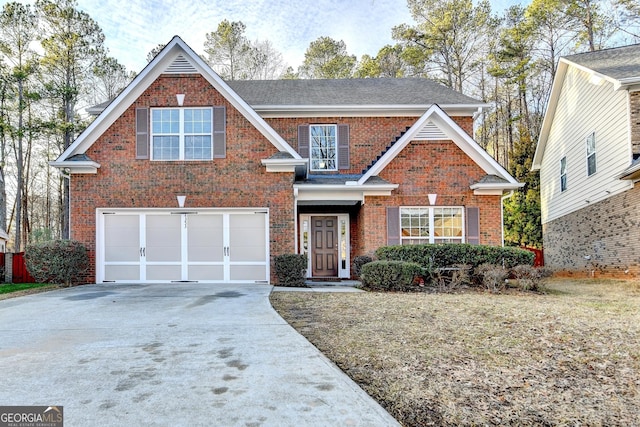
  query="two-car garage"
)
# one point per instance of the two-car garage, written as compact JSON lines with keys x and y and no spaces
{"x":182,"y":245}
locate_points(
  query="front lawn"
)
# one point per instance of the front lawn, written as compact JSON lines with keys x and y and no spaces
{"x":571,"y":357}
{"x":11,"y":290}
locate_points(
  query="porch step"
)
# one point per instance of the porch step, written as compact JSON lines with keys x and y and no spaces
{"x":332,"y":282}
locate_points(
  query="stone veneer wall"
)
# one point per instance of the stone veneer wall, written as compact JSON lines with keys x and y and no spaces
{"x":608,"y":232}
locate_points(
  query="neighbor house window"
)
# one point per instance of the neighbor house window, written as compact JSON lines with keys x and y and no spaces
{"x":324,"y":149}
{"x":431,"y":224}
{"x":591,"y":154}
{"x":563,"y":174}
{"x":181,"y":134}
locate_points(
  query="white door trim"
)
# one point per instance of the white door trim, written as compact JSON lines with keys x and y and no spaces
{"x":344,"y":242}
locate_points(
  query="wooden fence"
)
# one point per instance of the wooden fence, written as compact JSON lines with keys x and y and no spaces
{"x":17,"y":271}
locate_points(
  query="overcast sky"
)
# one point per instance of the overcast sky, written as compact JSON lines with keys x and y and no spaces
{"x":133,"y":27}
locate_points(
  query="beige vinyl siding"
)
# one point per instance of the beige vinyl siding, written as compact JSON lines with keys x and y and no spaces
{"x":585,"y":107}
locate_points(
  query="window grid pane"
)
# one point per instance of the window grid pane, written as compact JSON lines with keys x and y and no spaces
{"x":446,"y":226}
{"x":323,"y":147}
{"x":182,"y":133}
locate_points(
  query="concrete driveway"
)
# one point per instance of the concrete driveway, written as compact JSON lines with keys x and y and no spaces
{"x":171,"y":355}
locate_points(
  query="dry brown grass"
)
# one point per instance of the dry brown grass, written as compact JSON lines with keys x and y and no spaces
{"x":570,"y":357}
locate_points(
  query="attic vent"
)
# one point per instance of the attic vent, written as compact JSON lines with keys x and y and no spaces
{"x":430,"y":132}
{"x":181,"y":65}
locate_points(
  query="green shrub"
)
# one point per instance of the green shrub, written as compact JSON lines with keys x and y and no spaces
{"x":493,"y":277}
{"x":529,"y":278}
{"x":291,"y":269}
{"x":390,"y":275}
{"x":358,"y":262}
{"x":445,"y":255}
{"x":57,"y":261}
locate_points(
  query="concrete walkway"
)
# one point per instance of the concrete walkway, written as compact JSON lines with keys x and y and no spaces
{"x":171,"y":355}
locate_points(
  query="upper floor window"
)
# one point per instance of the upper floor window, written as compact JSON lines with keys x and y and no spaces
{"x":563,"y":174}
{"x":181,"y":134}
{"x":324,"y":147}
{"x":431,"y":224}
{"x":591,"y":154}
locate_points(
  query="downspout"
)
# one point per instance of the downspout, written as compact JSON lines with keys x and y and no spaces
{"x":502,"y":199}
{"x":66,"y":174}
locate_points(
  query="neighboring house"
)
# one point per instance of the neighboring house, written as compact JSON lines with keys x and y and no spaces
{"x":588,"y":155}
{"x":186,"y":177}
{"x":4,"y":239}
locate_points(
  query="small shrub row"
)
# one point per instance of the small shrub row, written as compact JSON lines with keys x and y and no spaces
{"x":390,"y":275}
{"x":433,"y":257}
{"x":358,"y":262}
{"x":57,"y":261}
{"x":291,"y":269}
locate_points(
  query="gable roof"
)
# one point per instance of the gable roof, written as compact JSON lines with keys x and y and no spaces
{"x":435,"y":116}
{"x":410,"y":95}
{"x":621,"y":63}
{"x":176,"y":58}
{"x":619,"y":66}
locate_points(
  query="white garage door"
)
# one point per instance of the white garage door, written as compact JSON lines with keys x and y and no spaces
{"x":174,"y":246}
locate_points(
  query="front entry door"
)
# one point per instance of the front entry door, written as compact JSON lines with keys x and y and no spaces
{"x":324,"y":231}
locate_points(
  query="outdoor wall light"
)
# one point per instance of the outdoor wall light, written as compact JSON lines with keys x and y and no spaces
{"x":180,"y":98}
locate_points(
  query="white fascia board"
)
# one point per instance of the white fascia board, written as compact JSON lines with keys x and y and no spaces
{"x":494,"y":189}
{"x":147,"y":76}
{"x":554,"y":97}
{"x":453,"y":131}
{"x":283,"y":165}
{"x":86,"y":167}
{"x":627,"y":83}
{"x":359,"y":110}
{"x":341,"y":192}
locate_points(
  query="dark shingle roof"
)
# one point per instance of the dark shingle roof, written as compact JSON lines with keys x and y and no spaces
{"x":618,"y":63}
{"x":348,"y":92}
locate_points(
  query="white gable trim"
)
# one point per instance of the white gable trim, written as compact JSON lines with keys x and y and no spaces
{"x":437,"y":117}
{"x":176,"y":52}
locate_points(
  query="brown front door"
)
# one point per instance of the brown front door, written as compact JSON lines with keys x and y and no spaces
{"x":324,"y":256}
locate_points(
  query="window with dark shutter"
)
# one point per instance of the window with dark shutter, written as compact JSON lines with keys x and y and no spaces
{"x":473,"y":225}
{"x":393,"y":225}
{"x":303,"y":141}
{"x":219,"y":132}
{"x":142,"y":133}
{"x":343,"y":146}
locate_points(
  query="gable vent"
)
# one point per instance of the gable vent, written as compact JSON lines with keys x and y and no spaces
{"x":181,"y":65}
{"x":430,"y":132}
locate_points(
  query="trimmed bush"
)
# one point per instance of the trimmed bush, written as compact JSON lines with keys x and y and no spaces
{"x":291,"y":269}
{"x":358,"y":262}
{"x":57,"y":261}
{"x":444,"y":255}
{"x":390,"y":275}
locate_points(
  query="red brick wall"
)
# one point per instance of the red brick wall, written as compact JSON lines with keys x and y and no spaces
{"x":239,"y":180}
{"x":368,"y":136}
{"x":634,"y":118}
{"x":425,"y":167}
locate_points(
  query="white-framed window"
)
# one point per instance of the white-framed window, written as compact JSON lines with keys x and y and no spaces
{"x":323,"y":147}
{"x":431,"y":224}
{"x":563,"y":174}
{"x":591,"y":154}
{"x":181,"y":134}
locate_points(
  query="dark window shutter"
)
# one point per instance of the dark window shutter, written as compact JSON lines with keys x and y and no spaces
{"x":142,"y":133}
{"x":343,"y":146}
{"x":393,"y":225}
{"x":219,"y":132}
{"x":303,"y":141}
{"x":473,"y":225}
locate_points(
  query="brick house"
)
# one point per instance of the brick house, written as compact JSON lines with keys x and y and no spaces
{"x":588,"y":155}
{"x":186,"y":177}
